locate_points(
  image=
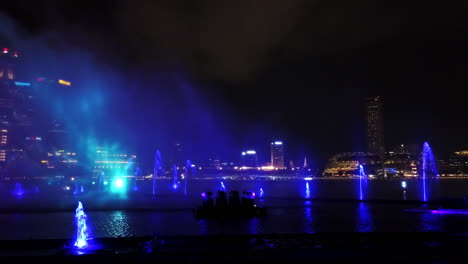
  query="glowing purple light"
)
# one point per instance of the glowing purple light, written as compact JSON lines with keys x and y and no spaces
{"x":203,"y":194}
{"x":448,"y":212}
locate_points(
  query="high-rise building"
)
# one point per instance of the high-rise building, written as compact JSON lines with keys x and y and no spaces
{"x":4,"y":127}
{"x":249,"y":159}
{"x":375,"y":129}
{"x":11,"y":102}
{"x":56,"y":136}
{"x":176,"y":154}
{"x":8,"y":61}
{"x":277,"y":155}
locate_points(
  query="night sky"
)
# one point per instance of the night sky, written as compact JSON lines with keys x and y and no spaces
{"x":220,"y":76}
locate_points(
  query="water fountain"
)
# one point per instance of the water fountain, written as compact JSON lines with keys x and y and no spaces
{"x":188,"y":166}
{"x":156,"y":168}
{"x":428,"y":172}
{"x":362,"y":183}
{"x":137,"y":175}
{"x":307,"y":191}
{"x":101,"y":177}
{"x":174,"y":181}
{"x":18,"y":191}
{"x":76,"y":191}
{"x":222,"y":187}
{"x":81,"y":241}
{"x":261,"y":194}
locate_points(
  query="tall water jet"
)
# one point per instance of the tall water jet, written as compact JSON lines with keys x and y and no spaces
{"x":174,"y":177}
{"x":261,"y":194}
{"x":307,"y":191}
{"x":156,"y":169}
{"x":428,"y":172}
{"x":362,"y":183}
{"x":81,"y":227}
{"x":188,"y":166}
{"x":222,"y":187}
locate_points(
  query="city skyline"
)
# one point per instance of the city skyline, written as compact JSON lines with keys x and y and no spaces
{"x":374,"y":118}
{"x":314,"y":103}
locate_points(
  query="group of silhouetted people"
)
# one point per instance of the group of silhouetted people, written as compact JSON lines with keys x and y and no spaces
{"x":235,"y":201}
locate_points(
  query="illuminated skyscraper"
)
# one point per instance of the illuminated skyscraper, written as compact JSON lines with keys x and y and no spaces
{"x":8,"y":94}
{"x":375,"y":129}
{"x":4,"y":127}
{"x":277,"y":155}
{"x":249,"y":158}
{"x":8,"y":61}
{"x":176,"y":154}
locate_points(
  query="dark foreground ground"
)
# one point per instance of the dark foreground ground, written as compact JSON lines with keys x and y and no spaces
{"x":279,"y":248}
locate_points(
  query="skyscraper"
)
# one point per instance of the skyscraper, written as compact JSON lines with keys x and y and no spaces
{"x":249,"y":159}
{"x":277,"y":155}
{"x":375,"y":129}
{"x":8,"y":95}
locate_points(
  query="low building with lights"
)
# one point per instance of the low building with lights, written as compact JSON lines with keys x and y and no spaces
{"x":113,"y":163}
{"x":346,"y":164}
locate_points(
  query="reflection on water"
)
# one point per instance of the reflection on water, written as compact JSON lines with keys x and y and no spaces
{"x":430,"y":223}
{"x":255,"y":226}
{"x":308,"y":221}
{"x":117,"y":224}
{"x":365,"y":221}
{"x":203,"y":224}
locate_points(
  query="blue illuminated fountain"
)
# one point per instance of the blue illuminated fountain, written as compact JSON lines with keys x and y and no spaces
{"x":261,"y":194}
{"x":18,"y":191}
{"x":76,"y":191}
{"x":174,"y":177}
{"x":188,"y":166}
{"x":137,"y":175}
{"x":156,"y":168}
{"x":81,"y":241}
{"x":222,"y":187}
{"x":362,"y":183}
{"x":307,"y":191}
{"x":101,"y":178}
{"x":428,"y":172}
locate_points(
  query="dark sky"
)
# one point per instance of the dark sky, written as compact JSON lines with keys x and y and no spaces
{"x":222,"y":75}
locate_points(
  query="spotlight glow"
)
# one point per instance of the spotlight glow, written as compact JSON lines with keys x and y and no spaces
{"x":403,"y":184}
{"x":119,"y":183}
